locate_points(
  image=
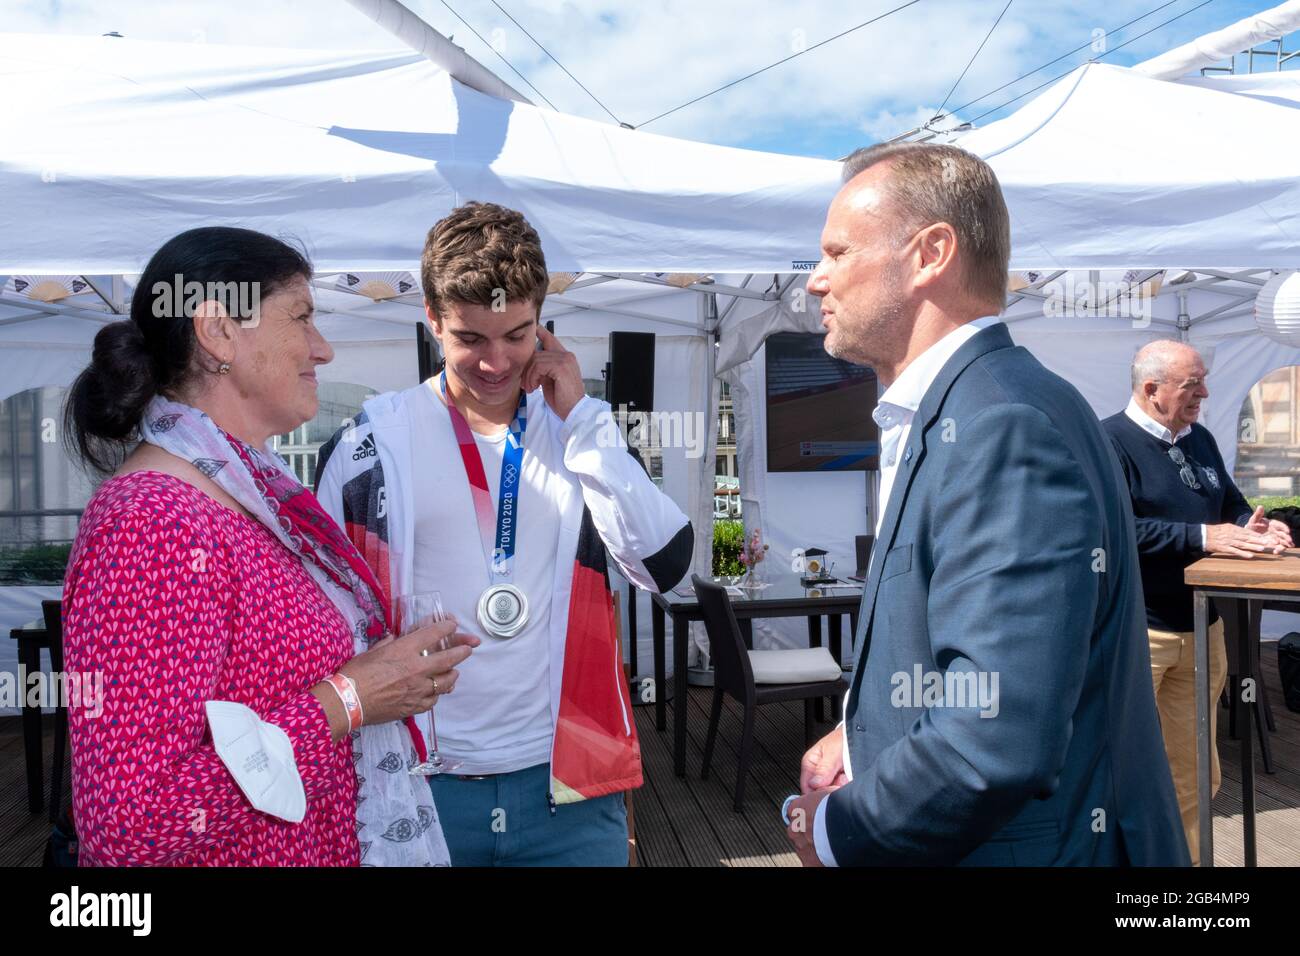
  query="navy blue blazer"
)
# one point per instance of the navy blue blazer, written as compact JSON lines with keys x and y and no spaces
{"x":1001,"y":711}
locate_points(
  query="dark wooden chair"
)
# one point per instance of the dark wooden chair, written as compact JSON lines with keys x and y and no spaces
{"x":862,"y":545}
{"x":1235,"y":631}
{"x":733,"y":674}
{"x":53,"y":613}
{"x":31,"y":640}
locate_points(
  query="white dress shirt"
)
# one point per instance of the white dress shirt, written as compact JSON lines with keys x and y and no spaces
{"x":1144,"y":421}
{"x":893,"y":413}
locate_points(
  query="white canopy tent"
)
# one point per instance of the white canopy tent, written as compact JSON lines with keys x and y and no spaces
{"x":358,"y":155}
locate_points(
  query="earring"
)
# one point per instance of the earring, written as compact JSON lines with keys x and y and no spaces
{"x":223,"y":368}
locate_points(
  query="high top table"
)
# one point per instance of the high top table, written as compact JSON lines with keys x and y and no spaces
{"x":1233,"y":582}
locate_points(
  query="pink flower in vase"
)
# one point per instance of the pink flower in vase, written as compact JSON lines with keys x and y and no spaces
{"x":752,"y":550}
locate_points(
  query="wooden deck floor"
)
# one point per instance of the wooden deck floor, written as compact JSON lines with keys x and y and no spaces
{"x":690,"y":822}
{"x":23,"y":833}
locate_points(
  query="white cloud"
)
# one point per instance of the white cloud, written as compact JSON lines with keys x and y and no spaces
{"x":887,"y":124}
{"x":642,"y":59}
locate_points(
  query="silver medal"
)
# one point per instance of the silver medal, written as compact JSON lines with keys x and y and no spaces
{"x":503,"y":610}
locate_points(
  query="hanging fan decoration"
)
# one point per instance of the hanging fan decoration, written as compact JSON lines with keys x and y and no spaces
{"x":560,"y":281}
{"x":46,"y":288}
{"x":683,"y":280}
{"x":1022,"y":280}
{"x":378,"y":286}
{"x":1146,"y":281}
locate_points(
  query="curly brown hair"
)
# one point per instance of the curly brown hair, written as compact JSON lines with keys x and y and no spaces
{"x":479,"y":251}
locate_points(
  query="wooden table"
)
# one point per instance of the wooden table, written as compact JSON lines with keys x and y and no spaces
{"x":1234,"y":582}
{"x":783,"y":597}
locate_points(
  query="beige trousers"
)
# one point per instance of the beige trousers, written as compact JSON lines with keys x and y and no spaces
{"x":1173,"y":673}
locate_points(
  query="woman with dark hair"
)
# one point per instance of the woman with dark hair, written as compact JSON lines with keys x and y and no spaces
{"x":220,"y":603}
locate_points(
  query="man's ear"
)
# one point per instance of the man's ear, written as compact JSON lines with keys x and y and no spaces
{"x":434,"y":322}
{"x":215,"y":330}
{"x":1149,"y":389}
{"x":936,"y":251}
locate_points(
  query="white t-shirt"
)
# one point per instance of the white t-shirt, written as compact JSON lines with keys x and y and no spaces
{"x":498,"y":719}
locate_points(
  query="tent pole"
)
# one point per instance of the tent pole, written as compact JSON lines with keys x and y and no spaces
{"x":711,"y":323}
{"x":114,"y":304}
{"x":57,"y":308}
{"x":428,"y":42}
{"x":734,"y":301}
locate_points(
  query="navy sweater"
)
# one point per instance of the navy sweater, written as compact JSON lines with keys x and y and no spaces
{"x":1170,"y":514}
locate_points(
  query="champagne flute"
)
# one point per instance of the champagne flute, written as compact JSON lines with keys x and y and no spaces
{"x":414,"y":612}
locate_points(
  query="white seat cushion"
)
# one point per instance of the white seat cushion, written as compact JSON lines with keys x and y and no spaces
{"x":801,"y":665}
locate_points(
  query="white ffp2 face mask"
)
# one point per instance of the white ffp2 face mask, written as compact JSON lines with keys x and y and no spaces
{"x":260,"y":758}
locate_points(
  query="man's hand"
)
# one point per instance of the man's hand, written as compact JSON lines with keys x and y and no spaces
{"x":556,"y":370}
{"x":823,"y":765}
{"x":1278,"y":530}
{"x":802,"y":813}
{"x":1242,"y":542}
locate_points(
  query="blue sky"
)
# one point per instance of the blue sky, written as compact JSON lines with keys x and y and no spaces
{"x":643,"y":58}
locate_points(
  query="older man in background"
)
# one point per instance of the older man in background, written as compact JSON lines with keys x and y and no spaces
{"x":1186,"y":506}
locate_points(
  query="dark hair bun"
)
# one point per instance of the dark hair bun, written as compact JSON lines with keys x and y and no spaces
{"x":110,"y":395}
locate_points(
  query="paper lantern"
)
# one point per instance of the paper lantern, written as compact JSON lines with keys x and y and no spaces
{"x":1277,"y":308}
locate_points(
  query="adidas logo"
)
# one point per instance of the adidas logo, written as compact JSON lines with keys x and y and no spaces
{"x":367,"y":449}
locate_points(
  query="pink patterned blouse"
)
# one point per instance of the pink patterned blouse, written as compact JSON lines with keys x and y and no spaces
{"x":177,"y":600}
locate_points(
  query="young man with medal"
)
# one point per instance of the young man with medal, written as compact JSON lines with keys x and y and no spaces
{"x":496,"y":484}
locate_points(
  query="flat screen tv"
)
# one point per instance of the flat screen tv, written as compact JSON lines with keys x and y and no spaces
{"x":818,"y":408}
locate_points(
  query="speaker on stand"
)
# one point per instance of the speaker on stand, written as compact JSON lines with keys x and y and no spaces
{"x":426,"y":351}
{"x":630,"y":390}
{"x":630,"y":372}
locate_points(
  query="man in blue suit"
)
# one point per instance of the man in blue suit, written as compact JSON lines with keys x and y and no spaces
{"x":1001,"y":710}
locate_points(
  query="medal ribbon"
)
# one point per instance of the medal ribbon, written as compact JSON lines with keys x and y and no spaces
{"x":498,"y":527}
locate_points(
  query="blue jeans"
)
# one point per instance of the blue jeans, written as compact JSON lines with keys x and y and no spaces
{"x":505,"y":820}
